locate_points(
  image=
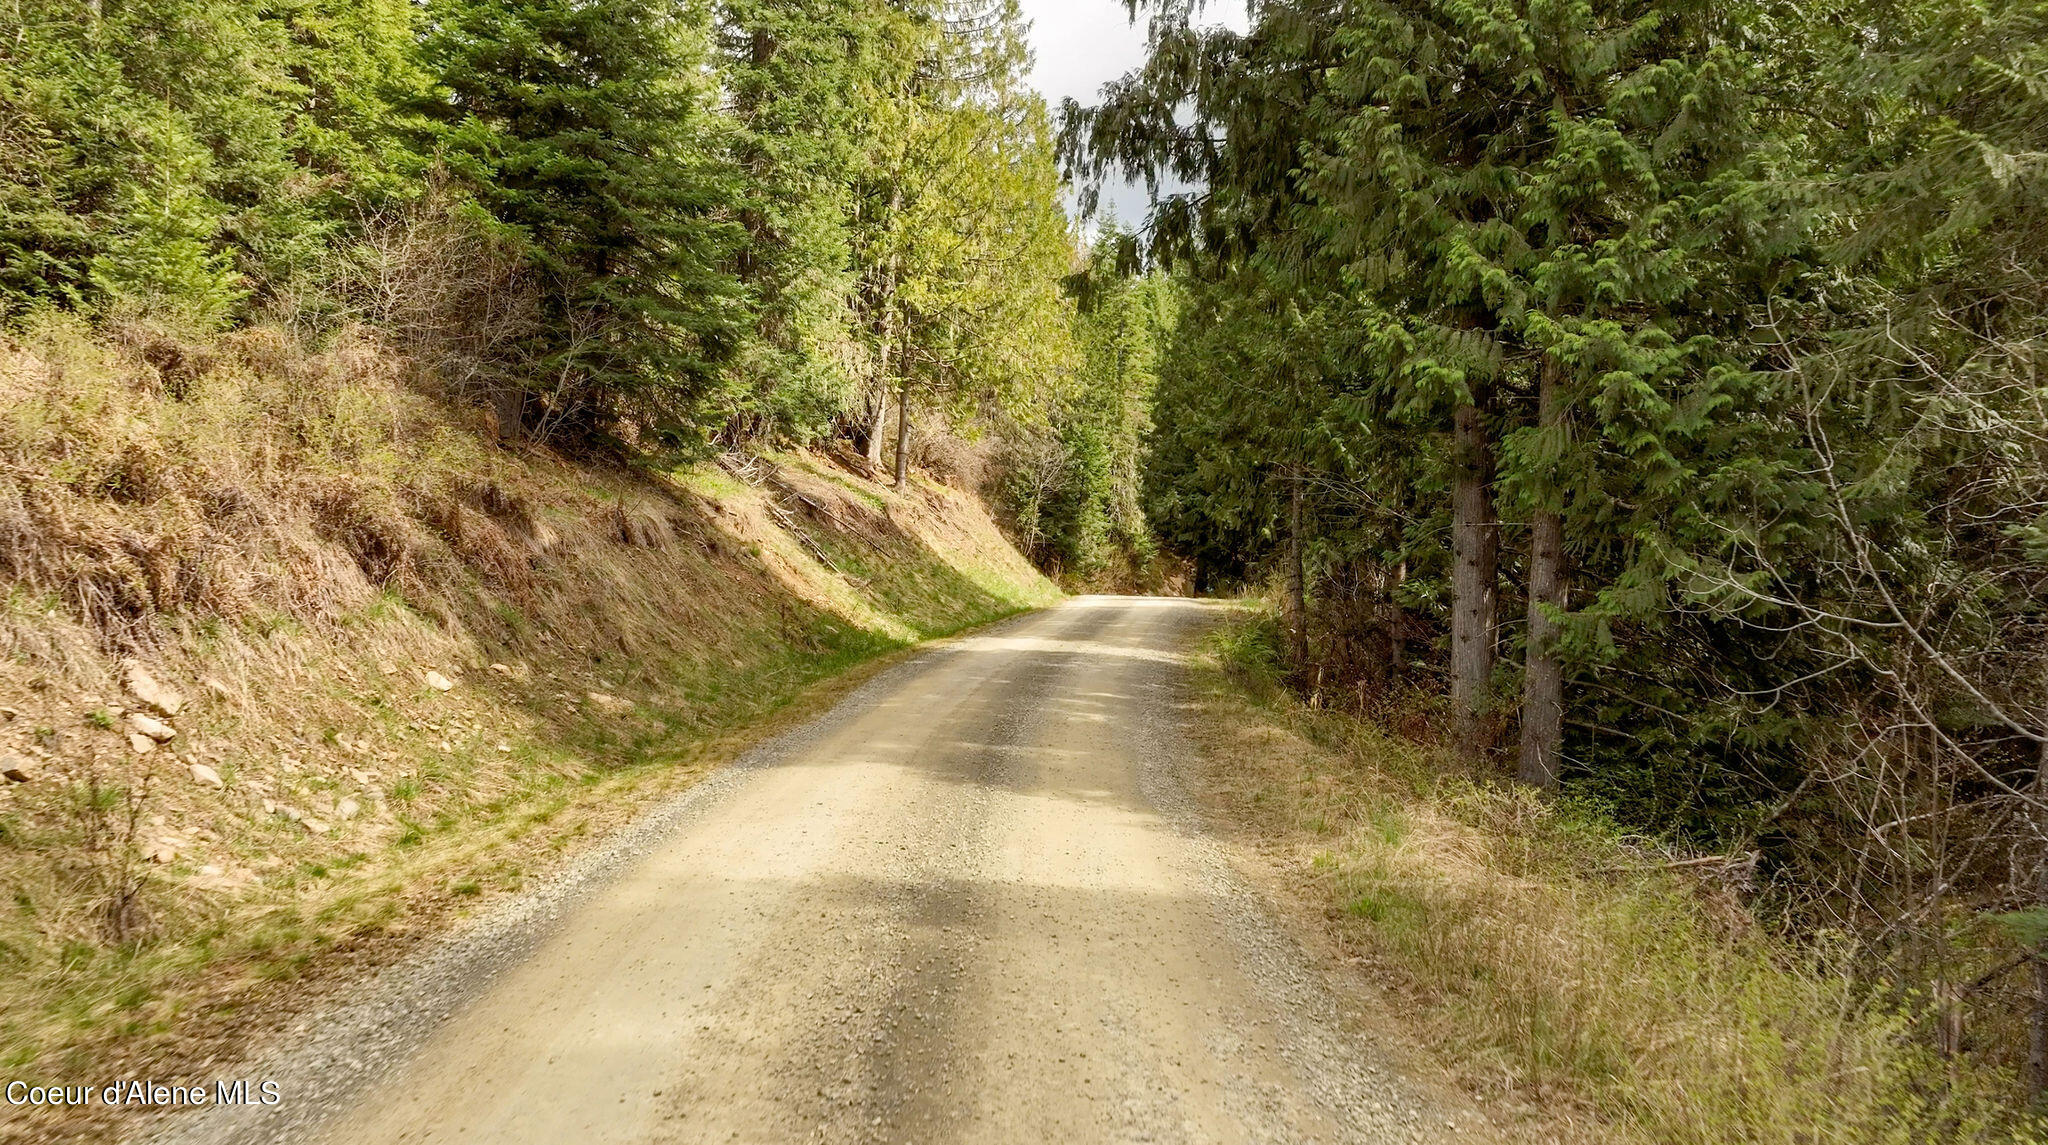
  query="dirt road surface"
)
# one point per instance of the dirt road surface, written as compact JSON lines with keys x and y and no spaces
{"x":972,"y":904}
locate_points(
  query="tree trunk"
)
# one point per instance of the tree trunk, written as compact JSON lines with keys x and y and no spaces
{"x":1543,"y":672}
{"x":1395,"y":624}
{"x":1475,"y":549}
{"x":903,"y":434}
{"x":508,"y":408}
{"x":885,"y":329}
{"x":877,"y":415}
{"x":2037,"y":1021}
{"x":1297,"y":579}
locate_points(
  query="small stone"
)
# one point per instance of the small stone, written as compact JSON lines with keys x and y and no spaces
{"x":142,"y":744}
{"x":9,"y":714}
{"x":506,"y":747}
{"x":155,"y":729}
{"x":205,"y":776}
{"x":387,"y":667}
{"x":145,"y":687}
{"x":316,"y":826}
{"x":438,"y":682}
{"x":290,"y":812}
{"x":501,"y":669}
{"x":15,"y":769}
{"x":611,"y":705}
{"x":211,"y":871}
{"x":347,"y":809}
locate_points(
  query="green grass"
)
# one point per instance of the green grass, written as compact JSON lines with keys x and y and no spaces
{"x":1533,"y":945}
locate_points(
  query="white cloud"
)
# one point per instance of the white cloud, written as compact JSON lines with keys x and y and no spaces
{"x":1080,"y":45}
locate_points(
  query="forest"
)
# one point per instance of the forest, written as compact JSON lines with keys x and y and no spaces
{"x":1648,"y":399}
{"x":1658,"y":387}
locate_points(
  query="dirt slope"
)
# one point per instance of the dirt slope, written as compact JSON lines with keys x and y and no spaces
{"x":400,"y":669}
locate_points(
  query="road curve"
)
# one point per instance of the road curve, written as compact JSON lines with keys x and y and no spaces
{"x":969,"y":905}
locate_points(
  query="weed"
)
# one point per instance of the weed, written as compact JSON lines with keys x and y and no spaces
{"x":108,"y":819}
{"x":1534,"y":940}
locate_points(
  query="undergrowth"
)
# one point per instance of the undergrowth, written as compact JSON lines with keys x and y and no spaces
{"x":1553,"y":958}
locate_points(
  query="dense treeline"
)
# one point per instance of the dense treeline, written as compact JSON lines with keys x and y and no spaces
{"x":1663,"y":383}
{"x":675,"y":225}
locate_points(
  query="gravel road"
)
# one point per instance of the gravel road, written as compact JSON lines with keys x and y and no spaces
{"x":971,"y":904}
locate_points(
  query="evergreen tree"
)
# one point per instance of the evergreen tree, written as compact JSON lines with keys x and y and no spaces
{"x":584,"y":129}
{"x":177,"y":156}
{"x":799,"y":80}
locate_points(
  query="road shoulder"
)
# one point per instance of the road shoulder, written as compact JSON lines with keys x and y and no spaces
{"x":1242,"y":754}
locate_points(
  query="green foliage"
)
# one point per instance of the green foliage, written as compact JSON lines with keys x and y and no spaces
{"x":581,"y":127}
{"x":182,"y":158}
{"x":1749,"y":300}
{"x":680,"y":223}
{"x":1074,"y":485}
{"x":799,"y":80}
{"x":959,"y":242}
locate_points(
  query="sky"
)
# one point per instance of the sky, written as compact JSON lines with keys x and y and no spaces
{"x":1082,"y":44}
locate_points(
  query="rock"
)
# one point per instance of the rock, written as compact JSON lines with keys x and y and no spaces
{"x":505,"y":747}
{"x":145,"y":687}
{"x":387,"y":667}
{"x":438,"y":682}
{"x":9,"y":714}
{"x":155,"y":729}
{"x":290,"y":812}
{"x":205,"y":776}
{"x":316,"y":826}
{"x":15,"y":769}
{"x":347,"y":809}
{"x":142,"y":744}
{"x":611,"y":705}
{"x":501,"y":669}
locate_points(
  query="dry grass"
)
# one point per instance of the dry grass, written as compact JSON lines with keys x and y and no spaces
{"x":1558,"y":965}
{"x":294,"y":539}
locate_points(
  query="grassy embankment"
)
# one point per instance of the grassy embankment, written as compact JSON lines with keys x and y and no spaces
{"x":307,"y":549}
{"x":1555,"y":964}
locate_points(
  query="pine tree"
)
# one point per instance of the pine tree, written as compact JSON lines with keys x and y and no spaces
{"x":584,"y":129}
{"x":799,"y":81}
{"x":176,"y":157}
